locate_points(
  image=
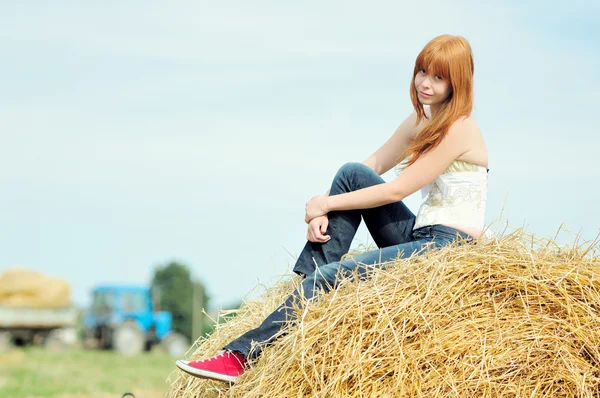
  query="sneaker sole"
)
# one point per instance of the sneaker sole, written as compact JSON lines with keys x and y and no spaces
{"x":205,"y":374}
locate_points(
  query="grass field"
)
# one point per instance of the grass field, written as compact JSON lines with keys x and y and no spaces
{"x":76,"y":373}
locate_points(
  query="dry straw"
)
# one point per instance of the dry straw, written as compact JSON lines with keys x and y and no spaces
{"x":512,"y":317}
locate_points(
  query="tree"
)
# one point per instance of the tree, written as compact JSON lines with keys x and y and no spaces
{"x":175,"y":287}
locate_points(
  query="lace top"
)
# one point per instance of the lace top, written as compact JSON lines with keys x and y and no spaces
{"x":456,"y":198}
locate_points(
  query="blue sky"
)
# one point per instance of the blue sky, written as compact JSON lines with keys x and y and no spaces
{"x":136,"y":133}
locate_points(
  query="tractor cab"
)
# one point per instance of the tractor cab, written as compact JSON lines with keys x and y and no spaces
{"x":123,"y":317}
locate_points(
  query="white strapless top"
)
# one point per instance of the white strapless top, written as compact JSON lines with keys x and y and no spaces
{"x":457,"y":199}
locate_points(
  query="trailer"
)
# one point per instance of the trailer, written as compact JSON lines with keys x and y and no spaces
{"x":35,"y":309}
{"x":51,"y":327}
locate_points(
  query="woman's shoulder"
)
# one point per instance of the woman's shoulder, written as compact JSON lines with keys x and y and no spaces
{"x":465,"y":128}
{"x":465,"y":124}
{"x":472,"y":138}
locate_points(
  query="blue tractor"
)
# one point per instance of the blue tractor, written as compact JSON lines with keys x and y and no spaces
{"x":124,"y":318}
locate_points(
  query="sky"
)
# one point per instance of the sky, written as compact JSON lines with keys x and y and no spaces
{"x":137,"y":133}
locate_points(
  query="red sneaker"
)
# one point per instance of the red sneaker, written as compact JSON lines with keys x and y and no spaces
{"x":226,"y":366}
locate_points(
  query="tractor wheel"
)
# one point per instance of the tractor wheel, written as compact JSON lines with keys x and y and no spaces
{"x":128,"y":339}
{"x":6,"y":343}
{"x":175,"y":344}
{"x":59,"y":339}
{"x":53,"y":341}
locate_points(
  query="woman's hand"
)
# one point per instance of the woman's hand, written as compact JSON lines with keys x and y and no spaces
{"x":317,"y":228}
{"x":316,"y":207}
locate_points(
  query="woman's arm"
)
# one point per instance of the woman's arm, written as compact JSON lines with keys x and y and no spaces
{"x":427,"y":168}
{"x":386,"y":157}
{"x":382,"y":160}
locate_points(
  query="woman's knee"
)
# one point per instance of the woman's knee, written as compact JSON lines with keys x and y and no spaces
{"x":355,"y":172}
{"x":353,"y":167}
{"x":324,"y":278}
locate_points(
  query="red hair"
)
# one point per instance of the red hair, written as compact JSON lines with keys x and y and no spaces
{"x":451,"y":58}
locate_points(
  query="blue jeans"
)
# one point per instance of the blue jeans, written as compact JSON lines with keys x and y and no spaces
{"x":391,"y":227}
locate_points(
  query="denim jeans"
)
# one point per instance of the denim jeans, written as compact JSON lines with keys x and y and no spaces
{"x":391,"y":227}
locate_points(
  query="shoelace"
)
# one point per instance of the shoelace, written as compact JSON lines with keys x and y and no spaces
{"x":215,"y":357}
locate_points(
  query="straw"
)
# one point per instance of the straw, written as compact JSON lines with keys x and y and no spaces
{"x":515,"y":316}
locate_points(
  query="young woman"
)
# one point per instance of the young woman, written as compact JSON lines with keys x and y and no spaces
{"x":441,"y":151}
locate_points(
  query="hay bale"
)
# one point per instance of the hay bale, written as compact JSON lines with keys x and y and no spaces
{"x":512,"y":317}
{"x":21,"y":287}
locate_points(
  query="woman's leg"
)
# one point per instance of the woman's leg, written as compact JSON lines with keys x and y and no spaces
{"x":388,"y":225}
{"x":326,"y":277}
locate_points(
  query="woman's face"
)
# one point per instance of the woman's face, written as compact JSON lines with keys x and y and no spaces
{"x":431,"y":88}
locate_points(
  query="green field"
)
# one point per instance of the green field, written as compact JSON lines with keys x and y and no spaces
{"x":76,"y":373}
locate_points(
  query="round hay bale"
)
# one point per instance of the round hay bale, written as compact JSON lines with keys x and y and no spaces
{"x":512,"y":317}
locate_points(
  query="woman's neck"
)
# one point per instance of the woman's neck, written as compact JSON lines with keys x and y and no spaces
{"x":434,"y":109}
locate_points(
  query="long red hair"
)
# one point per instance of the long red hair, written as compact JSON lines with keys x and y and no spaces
{"x":451,"y":58}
